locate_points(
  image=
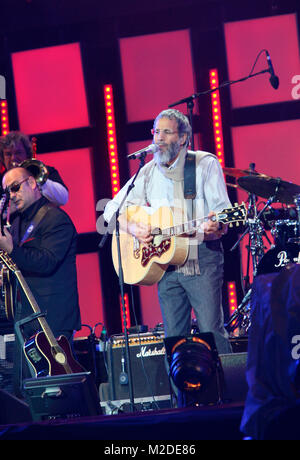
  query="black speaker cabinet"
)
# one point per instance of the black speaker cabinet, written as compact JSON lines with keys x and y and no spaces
{"x":147,"y":357}
{"x":13,"y":410}
{"x":235,"y":383}
{"x":62,"y":396}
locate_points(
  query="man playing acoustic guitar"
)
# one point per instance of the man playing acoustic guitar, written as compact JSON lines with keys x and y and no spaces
{"x":196,"y":283}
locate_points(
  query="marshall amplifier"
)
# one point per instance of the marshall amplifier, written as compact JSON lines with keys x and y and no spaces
{"x":147,"y":358}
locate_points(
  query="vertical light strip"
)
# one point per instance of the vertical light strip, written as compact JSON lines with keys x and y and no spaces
{"x":127,"y":313}
{"x":112,"y":139}
{"x":4,"y":118}
{"x":231,"y":289}
{"x":217,"y":117}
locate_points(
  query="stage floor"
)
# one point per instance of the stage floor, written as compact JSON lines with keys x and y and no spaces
{"x":218,"y":422}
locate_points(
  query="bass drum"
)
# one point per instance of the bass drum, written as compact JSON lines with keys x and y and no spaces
{"x":277,"y":258}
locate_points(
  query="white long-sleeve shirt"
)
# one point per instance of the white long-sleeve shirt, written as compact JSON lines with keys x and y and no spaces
{"x":157,"y":190}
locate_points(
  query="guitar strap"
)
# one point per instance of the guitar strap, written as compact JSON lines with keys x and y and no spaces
{"x":35,"y":221}
{"x":189,"y":182}
{"x":190,"y":176}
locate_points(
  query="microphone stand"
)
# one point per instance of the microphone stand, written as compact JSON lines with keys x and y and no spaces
{"x":190,"y":99}
{"x":222,"y":85}
{"x":115,"y":218}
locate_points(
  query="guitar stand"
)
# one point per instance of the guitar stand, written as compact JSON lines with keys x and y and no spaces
{"x":19,"y":334}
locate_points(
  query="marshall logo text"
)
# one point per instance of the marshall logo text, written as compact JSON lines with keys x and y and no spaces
{"x":147,"y":352}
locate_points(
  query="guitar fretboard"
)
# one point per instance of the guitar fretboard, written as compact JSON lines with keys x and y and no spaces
{"x":234,"y":214}
{"x":180,"y":229}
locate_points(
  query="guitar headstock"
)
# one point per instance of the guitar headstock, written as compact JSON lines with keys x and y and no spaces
{"x":4,"y":201}
{"x":8,"y":262}
{"x":233,"y":215}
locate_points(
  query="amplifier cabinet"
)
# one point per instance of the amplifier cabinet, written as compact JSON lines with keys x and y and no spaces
{"x":147,"y":359}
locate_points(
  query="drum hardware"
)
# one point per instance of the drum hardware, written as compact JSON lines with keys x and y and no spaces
{"x":240,"y":319}
{"x":254,"y":226}
{"x":274,"y":190}
{"x":273,"y":215}
{"x":296,"y":240}
{"x":284,"y":231}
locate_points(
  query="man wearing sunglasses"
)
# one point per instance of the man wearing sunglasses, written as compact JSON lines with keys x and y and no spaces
{"x":15,"y":148}
{"x":44,"y":250}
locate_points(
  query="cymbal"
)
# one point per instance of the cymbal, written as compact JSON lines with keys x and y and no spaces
{"x":266,"y":187}
{"x":235,"y":172}
{"x":234,"y":186}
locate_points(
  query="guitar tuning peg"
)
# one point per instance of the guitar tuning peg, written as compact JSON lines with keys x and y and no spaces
{"x":237,"y":224}
{"x":236,"y":204}
{"x":231,"y":225}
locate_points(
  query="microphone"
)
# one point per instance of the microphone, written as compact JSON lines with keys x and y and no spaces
{"x":274,"y":80}
{"x":152,"y":148}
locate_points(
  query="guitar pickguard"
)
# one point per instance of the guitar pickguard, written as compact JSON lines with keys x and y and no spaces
{"x":155,"y":249}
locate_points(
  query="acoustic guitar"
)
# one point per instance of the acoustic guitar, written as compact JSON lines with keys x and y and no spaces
{"x":144,"y":265}
{"x":45,"y":354}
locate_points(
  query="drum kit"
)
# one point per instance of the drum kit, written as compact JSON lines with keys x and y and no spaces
{"x":280,"y":226}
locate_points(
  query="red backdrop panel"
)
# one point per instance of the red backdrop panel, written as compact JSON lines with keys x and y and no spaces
{"x":157,"y":71}
{"x":50,"y":90}
{"x":90,"y":294}
{"x":151,"y":313}
{"x":244,"y":40}
{"x":75,"y":169}
{"x":273,"y":147}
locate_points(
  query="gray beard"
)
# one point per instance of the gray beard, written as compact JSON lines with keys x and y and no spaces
{"x":165,"y":157}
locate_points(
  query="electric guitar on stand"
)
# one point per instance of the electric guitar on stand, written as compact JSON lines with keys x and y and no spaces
{"x":46,"y":354}
{"x":146,"y":265}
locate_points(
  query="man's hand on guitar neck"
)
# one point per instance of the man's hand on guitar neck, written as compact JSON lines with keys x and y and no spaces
{"x":213,"y":229}
{"x":6,"y":242}
{"x":139,"y":230}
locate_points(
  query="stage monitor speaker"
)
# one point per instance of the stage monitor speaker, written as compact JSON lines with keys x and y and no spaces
{"x":13,"y":410}
{"x":234,"y":370}
{"x":63,"y":396}
{"x":147,"y":357}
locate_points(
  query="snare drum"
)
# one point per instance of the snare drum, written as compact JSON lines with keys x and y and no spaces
{"x":277,"y":258}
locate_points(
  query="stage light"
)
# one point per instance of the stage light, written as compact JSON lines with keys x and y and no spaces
{"x":216,"y":115}
{"x":112,"y":139}
{"x":232,"y":296}
{"x":192,"y":364}
{"x":195,"y":370}
{"x":4,"y":118}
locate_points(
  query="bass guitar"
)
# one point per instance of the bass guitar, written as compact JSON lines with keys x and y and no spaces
{"x":146,"y":265}
{"x":45,"y":354}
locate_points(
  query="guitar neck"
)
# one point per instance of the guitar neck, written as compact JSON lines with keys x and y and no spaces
{"x":186,"y":227}
{"x":229,"y":216}
{"x":43,"y":323}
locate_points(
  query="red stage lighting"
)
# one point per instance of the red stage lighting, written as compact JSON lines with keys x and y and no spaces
{"x":111,"y":139}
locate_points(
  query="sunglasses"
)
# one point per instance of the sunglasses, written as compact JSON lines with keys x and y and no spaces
{"x":16,"y":187}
